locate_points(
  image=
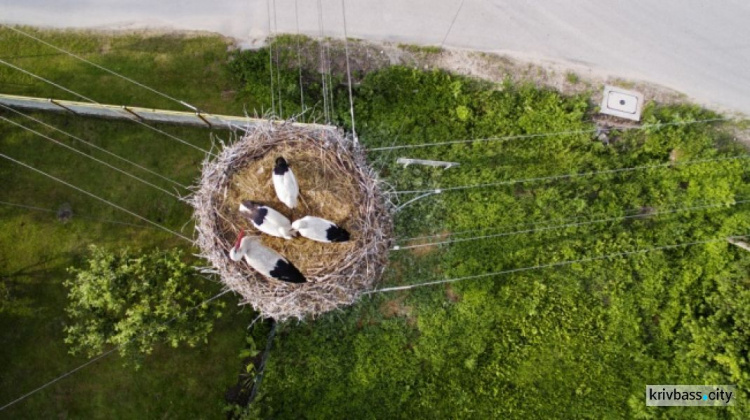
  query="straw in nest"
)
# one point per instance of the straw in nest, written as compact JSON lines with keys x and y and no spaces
{"x":335,"y":184}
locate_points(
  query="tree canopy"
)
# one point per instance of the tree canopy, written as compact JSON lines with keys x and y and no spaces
{"x":136,"y":300}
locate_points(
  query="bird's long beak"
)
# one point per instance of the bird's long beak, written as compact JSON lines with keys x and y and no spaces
{"x":239,"y":239}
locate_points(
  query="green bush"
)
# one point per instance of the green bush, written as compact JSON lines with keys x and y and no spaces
{"x":578,"y":341}
{"x":136,"y":301}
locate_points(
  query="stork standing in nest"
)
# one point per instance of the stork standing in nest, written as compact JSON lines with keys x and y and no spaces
{"x":285,"y":183}
{"x":264,"y":260}
{"x":266,"y":219}
{"x":320,"y":230}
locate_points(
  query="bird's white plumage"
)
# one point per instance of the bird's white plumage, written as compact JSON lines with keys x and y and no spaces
{"x":287,"y":188}
{"x":314,"y":228}
{"x":260,"y":258}
{"x":277,"y":221}
{"x":274,"y":223}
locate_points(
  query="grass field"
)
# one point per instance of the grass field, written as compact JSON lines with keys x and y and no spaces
{"x":579,"y":340}
{"x":37,"y":248}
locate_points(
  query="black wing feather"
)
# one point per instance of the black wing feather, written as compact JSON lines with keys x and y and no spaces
{"x":281,"y":167}
{"x":285,"y":271}
{"x":337,"y":234}
{"x":259,"y":215}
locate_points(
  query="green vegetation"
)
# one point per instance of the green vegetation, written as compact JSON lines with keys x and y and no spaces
{"x":572,"y":78}
{"x":580,"y":340}
{"x":188,"y":68}
{"x":36,"y":248}
{"x":135,"y":301}
{"x":421,"y":49}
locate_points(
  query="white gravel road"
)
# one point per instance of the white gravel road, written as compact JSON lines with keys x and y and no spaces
{"x":699,"y":47}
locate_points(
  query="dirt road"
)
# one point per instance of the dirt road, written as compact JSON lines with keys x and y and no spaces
{"x":699,"y":47}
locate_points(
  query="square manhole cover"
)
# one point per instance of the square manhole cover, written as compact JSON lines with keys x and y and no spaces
{"x":622,"y":103}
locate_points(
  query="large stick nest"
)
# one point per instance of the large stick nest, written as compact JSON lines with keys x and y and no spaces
{"x":335,"y":183}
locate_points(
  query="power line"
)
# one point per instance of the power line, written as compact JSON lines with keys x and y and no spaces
{"x":322,"y":62}
{"x":270,"y":55}
{"x":94,"y":146}
{"x":417,"y":198}
{"x":558,"y":264}
{"x":299,"y":58}
{"x":97,"y":103}
{"x":348,"y":72}
{"x":100,"y":67}
{"x":16,"y":57}
{"x":108,"y":352}
{"x":28,"y":73}
{"x":278,"y":65}
{"x":541,"y":135}
{"x":328,"y":68}
{"x":262,"y":367}
{"x":115,"y":222}
{"x":330,"y":79}
{"x":73,"y":149}
{"x":570,"y":176}
{"x":547,"y":228}
{"x":96,"y":197}
{"x":450,"y":28}
{"x":131,"y":80}
{"x":383,"y":161}
{"x":484,"y":139}
{"x":517,"y":225}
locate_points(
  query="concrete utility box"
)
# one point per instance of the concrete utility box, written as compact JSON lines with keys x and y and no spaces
{"x":622,"y":103}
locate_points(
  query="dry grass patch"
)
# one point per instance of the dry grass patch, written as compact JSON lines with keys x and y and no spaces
{"x":395,"y":307}
{"x":325,"y":191}
{"x":451,"y":294}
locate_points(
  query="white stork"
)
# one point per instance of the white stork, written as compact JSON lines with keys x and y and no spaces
{"x":265,"y":260}
{"x":320,"y":230}
{"x":266,"y":219}
{"x":285,"y":183}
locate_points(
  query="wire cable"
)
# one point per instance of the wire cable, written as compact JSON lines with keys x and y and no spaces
{"x":164,"y":228}
{"x":382,"y":161}
{"x":324,"y":82}
{"x":93,"y":219}
{"x":73,"y":149}
{"x":557,"y":264}
{"x":131,"y":80}
{"x":541,"y":135}
{"x":348,"y":72}
{"x":518,"y":225}
{"x":299,"y":58}
{"x":547,"y":228}
{"x":261,"y":369}
{"x":97,"y":103}
{"x":331,"y":105}
{"x":100,"y":67}
{"x":101,"y":149}
{"x":417,"y":198}
{"x":108,"y":352}
{"x":328,"y":66}
{"x":270,"y":56}
{"x":20,"y":57}
{"x":575,"y":175}
{"x":278,"y":66}
{"x":453,"y":22}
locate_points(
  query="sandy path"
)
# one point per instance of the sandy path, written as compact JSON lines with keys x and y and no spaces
{"x":699,"y":47}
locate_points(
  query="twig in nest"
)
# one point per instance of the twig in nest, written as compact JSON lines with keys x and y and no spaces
{"x":338,"y":186}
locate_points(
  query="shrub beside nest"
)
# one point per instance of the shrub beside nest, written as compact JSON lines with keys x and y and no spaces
{"x":335,"y":183}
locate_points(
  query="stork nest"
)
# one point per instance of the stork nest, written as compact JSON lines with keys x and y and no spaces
{"x":335,"y":183}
